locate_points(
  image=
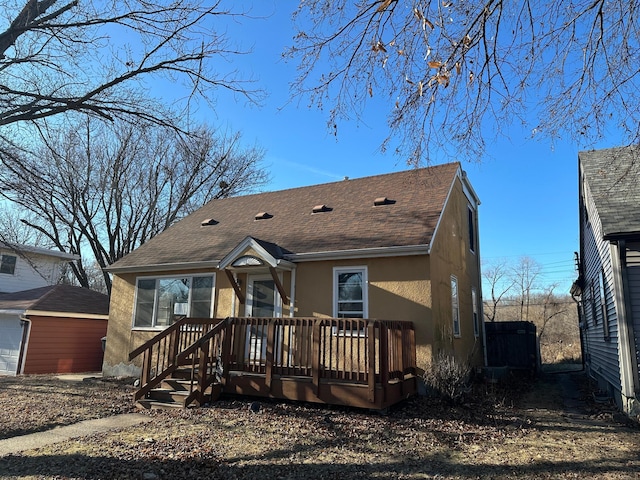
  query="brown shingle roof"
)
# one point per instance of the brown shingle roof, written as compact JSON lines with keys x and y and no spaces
{"x":416,"y":197}
{"x":57,"y":298}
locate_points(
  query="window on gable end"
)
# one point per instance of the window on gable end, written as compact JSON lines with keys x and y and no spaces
{"x":476,"y":320}
{"x":8,"y":264}
{"x":455,"y":306}
{"x":471,"y":217}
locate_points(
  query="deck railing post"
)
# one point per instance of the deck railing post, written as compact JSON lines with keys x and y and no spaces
{"x":172,"y":353}
{"x":371,"y":353}
{"x":203,"y":368}
{"x":271,"y":335}
{"x":226,"y":350}
{"x":146,"y":367}
{"x":384,"y":358}
{"x":315,"y":360}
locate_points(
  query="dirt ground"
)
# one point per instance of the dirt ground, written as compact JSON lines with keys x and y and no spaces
{"x":550,"y":428}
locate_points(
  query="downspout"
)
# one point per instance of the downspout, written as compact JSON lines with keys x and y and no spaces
{"x":576,"y":291}
{"x":292,"y":295}
{"x":25,"y":323}
{"x":582,"y":352}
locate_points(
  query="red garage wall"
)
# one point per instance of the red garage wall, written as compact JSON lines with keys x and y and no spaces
{"x":64,"y":345}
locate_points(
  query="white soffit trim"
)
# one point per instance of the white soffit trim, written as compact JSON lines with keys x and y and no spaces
{"x":45,"y":313}
{"x":468,"y":190}
{"x":250,"y":242}
{"x":165,"y":267}
{"x":38,"y":251}
{"x":12,"y":311}
{"x":377,"y":252}
{"x":444,"y":206}
{"x":238,"y":250}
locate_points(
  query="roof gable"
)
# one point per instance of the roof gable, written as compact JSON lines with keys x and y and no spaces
{"x":291,"y":222}
{"x":613,"y":176}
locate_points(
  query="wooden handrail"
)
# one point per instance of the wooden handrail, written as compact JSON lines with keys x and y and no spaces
{"x":162,"y":353}
{"x":148,"y":344}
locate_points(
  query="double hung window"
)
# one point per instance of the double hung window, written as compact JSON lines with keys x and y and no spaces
{"x":455,"y":306}
{"x":476,"y":320}
{"x":159,"y":301}
{"x":350,"y":292}
{"x":8,"y":264}
{"x":350,"y":297}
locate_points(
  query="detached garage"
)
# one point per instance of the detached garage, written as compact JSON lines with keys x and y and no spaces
{"x":54,"y":329}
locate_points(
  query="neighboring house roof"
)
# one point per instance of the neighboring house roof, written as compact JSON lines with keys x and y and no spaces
{"x":613,"y":176}
{"x":57,"y":298}
{"x":284,"y":222}
{"x":21,"y":249}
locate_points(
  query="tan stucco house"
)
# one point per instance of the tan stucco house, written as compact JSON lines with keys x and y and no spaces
{"x":401,"y":246}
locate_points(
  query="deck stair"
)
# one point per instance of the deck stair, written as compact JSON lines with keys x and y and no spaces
{"x":174,"y":391}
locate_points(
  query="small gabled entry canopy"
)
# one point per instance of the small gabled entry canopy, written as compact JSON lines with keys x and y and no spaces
{"x":253,"y":255}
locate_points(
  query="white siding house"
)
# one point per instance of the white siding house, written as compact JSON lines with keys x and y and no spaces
{"x":608,"y":285}
{"x":24,"y":267}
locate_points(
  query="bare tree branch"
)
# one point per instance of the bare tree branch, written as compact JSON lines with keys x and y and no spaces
{"x":108,"y":188}
{"x":453,"y":76}
{"x":93,"y":57}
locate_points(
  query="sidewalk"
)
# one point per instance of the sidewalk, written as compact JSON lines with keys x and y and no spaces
{"x":60,"y":434}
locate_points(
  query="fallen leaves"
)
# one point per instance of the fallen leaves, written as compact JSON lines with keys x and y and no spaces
{"x":422,"y":438}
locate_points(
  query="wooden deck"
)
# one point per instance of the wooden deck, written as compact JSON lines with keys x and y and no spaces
{"x":354,"y":362}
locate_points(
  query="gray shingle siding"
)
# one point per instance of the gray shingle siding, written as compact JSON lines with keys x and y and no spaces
{"x":602,"y":352}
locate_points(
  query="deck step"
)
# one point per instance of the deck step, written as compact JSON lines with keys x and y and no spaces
{"x":168,"y":395}
{"x":148,"y":404}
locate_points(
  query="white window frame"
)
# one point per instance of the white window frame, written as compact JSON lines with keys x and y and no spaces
{"x":455,"y":306}
{"x":15,"y":263}
{"x":154,"y":319}
{"x":365,"y":297}
{"x":474,"y":306}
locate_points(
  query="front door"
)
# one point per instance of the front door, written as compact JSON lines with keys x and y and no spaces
{"x":263,"y":301}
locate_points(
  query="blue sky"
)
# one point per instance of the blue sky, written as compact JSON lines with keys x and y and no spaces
{"x":528,"y":188}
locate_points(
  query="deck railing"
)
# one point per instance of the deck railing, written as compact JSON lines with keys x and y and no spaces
{"x":368,"y":353}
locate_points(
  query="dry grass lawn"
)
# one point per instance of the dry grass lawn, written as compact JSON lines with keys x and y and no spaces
{"x":521,"y":431}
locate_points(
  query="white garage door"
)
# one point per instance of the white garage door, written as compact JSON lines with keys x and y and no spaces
{"x":10,"y":338}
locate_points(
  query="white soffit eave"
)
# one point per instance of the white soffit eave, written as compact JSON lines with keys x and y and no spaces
{"x":45,"y":313}
{"x":377,"y":252}
{"x":165,"y":267}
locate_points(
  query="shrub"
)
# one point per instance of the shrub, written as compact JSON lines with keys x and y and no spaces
{"x":448,"y":377}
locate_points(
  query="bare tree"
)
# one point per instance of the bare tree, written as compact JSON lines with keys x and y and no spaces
{"x":14,"y":232}
{"x":452,"y":75}
{"x":497,"y":277}
{"x":552,"y":306}
{"x":524,"y":275}
{"x":109,"y":187}
{"x":93,"y":57}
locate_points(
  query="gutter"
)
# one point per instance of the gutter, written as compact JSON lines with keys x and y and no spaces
{"x":164,"y":267}
{"x":398,"y":251}
{"x":26,"y":333}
